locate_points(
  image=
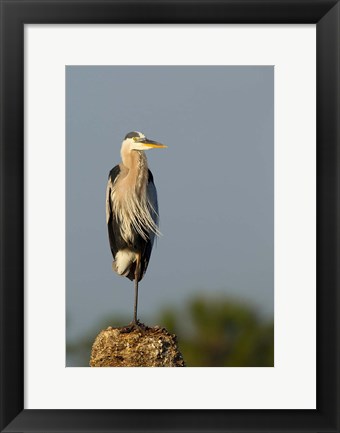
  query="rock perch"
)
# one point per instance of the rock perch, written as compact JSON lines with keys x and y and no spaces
{"x":140,"y":346}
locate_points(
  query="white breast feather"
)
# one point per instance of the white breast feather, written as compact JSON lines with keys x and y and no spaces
{"x":138,"y":212}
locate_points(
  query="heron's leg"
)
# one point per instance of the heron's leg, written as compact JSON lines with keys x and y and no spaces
{"x":136,"y":302}
{"x":137,"y":270}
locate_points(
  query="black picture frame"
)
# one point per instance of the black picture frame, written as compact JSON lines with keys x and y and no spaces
{"x":14,"y":15}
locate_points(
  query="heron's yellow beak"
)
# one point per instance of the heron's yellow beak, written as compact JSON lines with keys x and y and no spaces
{"x":150,"y":144}
{"x":157,"y":146}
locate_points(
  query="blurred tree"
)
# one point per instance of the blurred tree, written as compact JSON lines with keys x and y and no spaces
{"x":221,"y":333}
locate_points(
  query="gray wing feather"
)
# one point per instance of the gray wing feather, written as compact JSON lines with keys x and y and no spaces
{"x":152,"y":199}
{"x":108,"y":200}
{"x":110,"y":182}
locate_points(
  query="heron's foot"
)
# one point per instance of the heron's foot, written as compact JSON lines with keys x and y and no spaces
{"x":134,"y":326}
{"x":128,"y":328}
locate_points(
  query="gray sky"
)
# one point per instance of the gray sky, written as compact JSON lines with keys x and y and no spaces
{"x":215,"y":185}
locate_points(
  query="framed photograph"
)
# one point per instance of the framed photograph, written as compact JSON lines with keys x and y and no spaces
{"x":241,"y":287}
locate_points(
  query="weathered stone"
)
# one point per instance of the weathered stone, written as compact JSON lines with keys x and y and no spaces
{"x":138,"y":346}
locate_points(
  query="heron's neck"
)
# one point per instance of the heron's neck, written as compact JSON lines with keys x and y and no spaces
{"x":137,"y":165}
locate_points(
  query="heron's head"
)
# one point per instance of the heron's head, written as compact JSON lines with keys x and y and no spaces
{"x":137,"y":141}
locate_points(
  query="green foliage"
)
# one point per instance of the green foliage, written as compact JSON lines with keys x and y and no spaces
{"x":221,"y":333}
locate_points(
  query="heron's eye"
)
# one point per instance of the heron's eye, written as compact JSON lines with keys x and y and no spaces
{"x":135,"y":138}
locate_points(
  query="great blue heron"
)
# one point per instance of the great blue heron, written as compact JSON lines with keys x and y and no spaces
{"x":132,"y":210}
